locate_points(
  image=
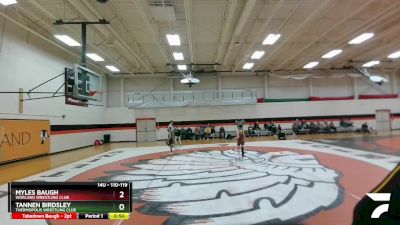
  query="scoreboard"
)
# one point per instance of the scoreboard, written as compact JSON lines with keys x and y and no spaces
{"x":67,"y":201}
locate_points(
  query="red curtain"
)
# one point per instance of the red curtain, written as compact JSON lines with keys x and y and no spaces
{"x":313,"y":98}
{"x":377,"y":96}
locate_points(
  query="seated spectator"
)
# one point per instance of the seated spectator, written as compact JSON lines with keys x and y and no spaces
{"x":303,"y":125}
{"x":273,"y":128}
{"x":178,"y":137}
{"x":197,"y":133}
{"x":364,"y":128}
{"x":183,"y":133}
{"x":296,"y":126}
{"x":250,"y":131}
{"x":332,"y":127}
{"x":265,"y":126}
{"x":279,"y":128}
{"x":189,"y":133}
{"x":221,"y":132}
{"x":202,"y":133}
{"x":240,"y":123}
{"x":313,"y":128}
{"x":281,"y":136}
{"x":319,"y":127}
{"x":324,"y":127}
{"x":212,"y":128}
{"x":256,"y":126}
{"x":207,"y":132}
{"x":345,"y":123}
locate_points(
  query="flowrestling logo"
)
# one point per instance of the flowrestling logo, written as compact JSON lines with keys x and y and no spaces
{"x":379,"y":197}
{"x":218,"y":188}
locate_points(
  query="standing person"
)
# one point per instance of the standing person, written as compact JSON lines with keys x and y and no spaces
{"x":240,"y":141}
{"x":171,"y":135}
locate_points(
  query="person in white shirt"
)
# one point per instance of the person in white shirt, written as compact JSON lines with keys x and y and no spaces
{"x":171,"y":135}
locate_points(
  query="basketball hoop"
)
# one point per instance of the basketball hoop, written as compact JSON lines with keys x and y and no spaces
{"x":92,"y":93}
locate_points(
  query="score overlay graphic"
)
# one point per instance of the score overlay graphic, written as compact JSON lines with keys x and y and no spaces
{"x":75,"y":200}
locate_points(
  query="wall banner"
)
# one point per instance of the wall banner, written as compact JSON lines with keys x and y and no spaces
{"x":23,"y":139}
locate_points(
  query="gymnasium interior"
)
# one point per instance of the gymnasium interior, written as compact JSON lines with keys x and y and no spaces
{"x":160,"y":96}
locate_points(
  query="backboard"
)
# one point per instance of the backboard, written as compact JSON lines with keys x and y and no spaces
{"x":83,"y":83}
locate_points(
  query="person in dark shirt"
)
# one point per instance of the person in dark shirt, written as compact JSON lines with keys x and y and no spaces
{"x":178,"y":137}
{"x":189,"y":133}
{"x":221,"y":132}
{"x":364,"y":128}
{"x":183,"y":134}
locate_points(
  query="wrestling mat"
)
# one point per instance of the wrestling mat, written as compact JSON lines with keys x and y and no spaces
{"x":278,"y":182}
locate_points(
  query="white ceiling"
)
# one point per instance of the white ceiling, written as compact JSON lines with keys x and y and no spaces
{"x":223,"y":32}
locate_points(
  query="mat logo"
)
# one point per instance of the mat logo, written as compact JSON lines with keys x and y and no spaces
{"x":261,"y":188}
{"x":379,"y":197}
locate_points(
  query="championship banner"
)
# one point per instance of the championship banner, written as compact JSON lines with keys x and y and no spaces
{"x":23,"y":138}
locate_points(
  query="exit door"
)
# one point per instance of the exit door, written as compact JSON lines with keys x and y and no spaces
{"x":383,"y":120}
{"x":146,"y":129}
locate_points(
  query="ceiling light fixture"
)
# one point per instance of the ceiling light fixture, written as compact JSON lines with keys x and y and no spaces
{"x":178,"y":55}
{"x":257,"y":54}
{"x":112,"y":68}
{"x":248,"y":66}
{"x":182,"y":67}
{"x":371,"y":63}
{"x":7,"y":2}
{"x":361,"y":38}
{"x":310,"y":65}
{"x":271,"y":39}
{"x":332,"y":53}
{"x":67,"y":40}
{"x":95,"y":57}
{"x":394,"y":55}
{"x":173,"y":39}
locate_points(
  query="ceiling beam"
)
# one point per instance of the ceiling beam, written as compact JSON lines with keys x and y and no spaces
{"x":189,"y":30}
{"x":244,"y":16}
{"x":153,"y":34}
{"x":327,"y":31}
{"x":259,"y":35}
{"x":224,"y":32}
{"x":345,"y":38}
{"x":52,"y":30}
{"x":88,"y":12}
{"x":376,"y":45}
{"x":52,"y":42}
{"x":322,"y":8}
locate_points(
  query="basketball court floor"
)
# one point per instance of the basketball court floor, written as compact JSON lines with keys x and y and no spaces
{"x":298,"y":181}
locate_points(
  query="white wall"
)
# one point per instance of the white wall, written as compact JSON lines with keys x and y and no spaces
{"x":26,"y":61}
{"x":287,"y":88}
{"x":272,"y":87}
{"x":333,"y":87}
{"x":263,"y":110}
